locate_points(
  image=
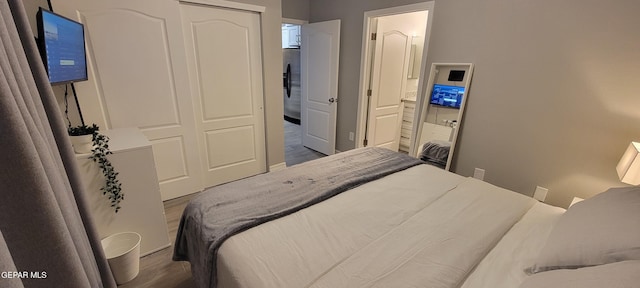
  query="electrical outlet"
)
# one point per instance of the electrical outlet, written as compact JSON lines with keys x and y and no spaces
{"x":351,"y":136}
{"x":540,"y":194}
{"x":478,"y":174}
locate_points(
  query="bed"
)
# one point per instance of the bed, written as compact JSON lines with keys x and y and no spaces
{"x":405,"y":224}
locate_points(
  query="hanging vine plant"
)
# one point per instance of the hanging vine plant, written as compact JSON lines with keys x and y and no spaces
{"x":112,"y":187}
{"x":99,"y":148}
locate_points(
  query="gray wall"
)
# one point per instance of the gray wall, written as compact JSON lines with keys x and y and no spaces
{"x":554,"y":99}
{"x":555,"y":96}
{"x":295,"y":9}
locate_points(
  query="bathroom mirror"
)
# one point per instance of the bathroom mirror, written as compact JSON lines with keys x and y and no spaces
{"x":415,"y":57}
{"x":440,"y":117}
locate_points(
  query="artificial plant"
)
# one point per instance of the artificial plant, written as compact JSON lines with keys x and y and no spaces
{"x":112,"y":187}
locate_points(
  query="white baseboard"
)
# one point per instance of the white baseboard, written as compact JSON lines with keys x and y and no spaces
{"x":156,"y":250}
{"x":278,"y":166}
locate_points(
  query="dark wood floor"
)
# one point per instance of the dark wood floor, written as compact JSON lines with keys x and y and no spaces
{"x":157,"y":270}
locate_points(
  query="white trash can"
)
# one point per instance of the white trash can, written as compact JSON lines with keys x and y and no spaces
{"x":123,"y":253}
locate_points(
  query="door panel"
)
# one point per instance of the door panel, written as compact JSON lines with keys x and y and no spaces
{"x":225,"y":66}
{"x":167,"y":169}
{"x":320,"y":49}
{"x":152,"y":55}
{"x":222,"y":77}
{"x":230,"y":146}
{"x":140,"y":82}
{"x":392,"y":69}
{"x":388,"y":84}
{"x":316,"y":127}
{"x":386,"y":123}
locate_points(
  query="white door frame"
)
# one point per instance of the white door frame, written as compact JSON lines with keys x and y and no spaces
{"x":365,"y":63}
{"x":229,"y":4}
{"x":294,"y":21}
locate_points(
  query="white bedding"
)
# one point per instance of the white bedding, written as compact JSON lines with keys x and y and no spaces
{"x":504,"y":266}
{"x":422,"y":227}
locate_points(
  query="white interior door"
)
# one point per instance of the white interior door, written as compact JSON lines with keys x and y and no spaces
{"x":138,"y":78}
{"x":320,"y":50}
{"x":225,"y":72}
{"x":388,"y":84}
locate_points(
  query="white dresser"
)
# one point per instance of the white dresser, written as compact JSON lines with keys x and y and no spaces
{"x":407,"y":124}
{"x":141,"y":210}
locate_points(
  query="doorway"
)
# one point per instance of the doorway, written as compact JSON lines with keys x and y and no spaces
{"x":394,"y":50}
{"x":295,"y":152}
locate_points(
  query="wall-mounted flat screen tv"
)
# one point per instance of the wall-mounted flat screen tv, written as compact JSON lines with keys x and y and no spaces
{"x":62,"y":47}
{"x":447,"y":95}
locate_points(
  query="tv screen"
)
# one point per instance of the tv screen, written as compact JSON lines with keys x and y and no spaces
{"x":62,"y":47}
{"x":447,"y":95}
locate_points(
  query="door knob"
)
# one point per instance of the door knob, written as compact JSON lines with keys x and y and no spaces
{"x":331,"y":100}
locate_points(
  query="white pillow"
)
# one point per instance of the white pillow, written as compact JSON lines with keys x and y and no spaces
{"x":624,"y":274}
{"x":599,"y":230}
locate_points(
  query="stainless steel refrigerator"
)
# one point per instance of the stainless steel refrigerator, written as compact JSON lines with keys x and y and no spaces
{"x":291,"y":83}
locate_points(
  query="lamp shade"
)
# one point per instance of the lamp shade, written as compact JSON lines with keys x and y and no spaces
{"x":629,"y":166}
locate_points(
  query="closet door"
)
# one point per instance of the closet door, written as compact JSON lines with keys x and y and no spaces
{"x":225,"y":72}
{"x":138,"y":77}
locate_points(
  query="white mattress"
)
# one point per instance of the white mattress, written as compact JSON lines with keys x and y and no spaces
{"x":504,"y":266}
{"x":422,"y":227}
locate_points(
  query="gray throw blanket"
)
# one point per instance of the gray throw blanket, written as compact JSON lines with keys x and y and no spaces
{"x":436,"y":153}
{"x":222,"y":211}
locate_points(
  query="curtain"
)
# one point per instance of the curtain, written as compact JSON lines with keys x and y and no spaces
{"x":45,"y":228}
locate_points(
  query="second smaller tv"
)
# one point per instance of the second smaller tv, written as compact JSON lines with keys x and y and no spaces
{"x":447,"y":95}
{"x":62,"y":47}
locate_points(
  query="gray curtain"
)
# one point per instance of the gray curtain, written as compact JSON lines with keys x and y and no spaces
{"x":44,"y":224}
